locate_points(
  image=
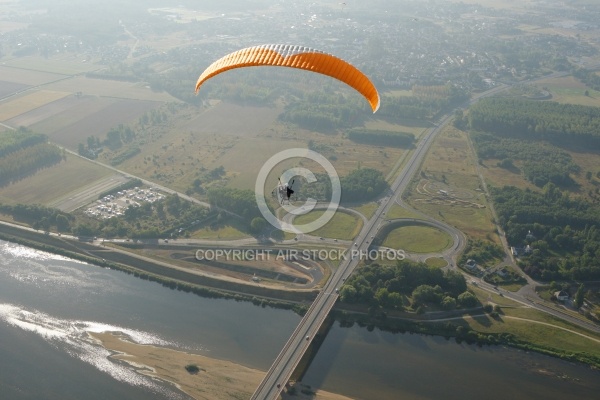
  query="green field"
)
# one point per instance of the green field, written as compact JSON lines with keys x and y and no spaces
{"x":418,"y":239}
{"x":342,"y":226}
{"x":546,"y":332}
{"x":398,"y":211}
{"x":524,"y":326}
{"x":367,"y":209}
{"x":52,"y":183}
{"x":437,"y":262}
{"x":570,"y":91}
{"x":417,"y":129}
{"x":220,"y":232}
{"x":451,"y":165}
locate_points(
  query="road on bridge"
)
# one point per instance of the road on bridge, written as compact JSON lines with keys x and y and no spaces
{"x":289,"y":357}
{"x":282,"y":368}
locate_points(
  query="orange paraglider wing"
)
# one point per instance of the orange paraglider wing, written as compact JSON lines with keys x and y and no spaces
{"x":300,"y":57}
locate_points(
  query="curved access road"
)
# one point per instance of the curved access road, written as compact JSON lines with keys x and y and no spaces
{"x":458,"y":238}
{"x":289,"y":357}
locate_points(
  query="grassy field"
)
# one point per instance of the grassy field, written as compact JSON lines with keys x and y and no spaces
{"x":108,"y":88}
{"x":367,"y":209}
{"x":450,"y":166}
{"x":570,"y":91}
{"x":210,"y":138}
{"x":52,"y":183}
{"x":418,"y":239}
{"x":193,"y":141}
{"x":437,"y":262}
{"x":588,"y":162}
{"x":91,"y":116}
{"x":30,"y":101}
{"x":228,"y":230}
{"x":469,"y":221}
{"x":342,"y":226}
{"x":46,"y":111}
{"x":27,"y":77}
{"x":400,"y":212}
{"x":519,"y":322}
{"x":516,"y":319}
{"x":64,"y":64}
{"x":399,"y":93}
{"x":502,"y":177}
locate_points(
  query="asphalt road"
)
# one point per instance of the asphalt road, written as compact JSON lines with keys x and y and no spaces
{"x":289,"y":357}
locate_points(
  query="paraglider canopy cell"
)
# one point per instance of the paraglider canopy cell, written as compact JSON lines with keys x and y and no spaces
{"x":300,"y":57}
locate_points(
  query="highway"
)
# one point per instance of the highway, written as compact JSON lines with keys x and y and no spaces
{"x":282,"y":368}
{"x":288,"y":359}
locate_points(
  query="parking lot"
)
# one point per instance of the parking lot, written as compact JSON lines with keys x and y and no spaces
{"x":115,"y":205}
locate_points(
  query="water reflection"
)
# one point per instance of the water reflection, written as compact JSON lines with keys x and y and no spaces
{"x":72,"y":337}
{"x":382,"y":365}
{"x":57,"y":301}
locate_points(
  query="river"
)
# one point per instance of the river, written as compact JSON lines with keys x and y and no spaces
{"x":49,"y":303}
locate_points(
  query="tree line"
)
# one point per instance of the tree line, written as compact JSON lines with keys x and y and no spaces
{"x":565,"y":234}
{"x":362,"y":184}
{"x":19,"y":139}
{"x":426,"y":102}
{"x":38,"y":216}
{"x":386,"y":286}
{"x":588,"y":78}
{"x":325,"y":112}
{"x":516,"y":117}
{"x":238,"y":201}
{"x":482,"y":252}
{"x":28,"y":160}
{"x":541,"y":162}
{"x":381,"y":138}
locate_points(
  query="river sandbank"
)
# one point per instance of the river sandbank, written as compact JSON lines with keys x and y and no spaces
{"x":215,"y":380}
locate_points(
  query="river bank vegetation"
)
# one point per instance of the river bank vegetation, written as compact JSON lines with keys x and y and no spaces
{"x":174,"y":279}
{"x":464,"y":325}
{"x":463,"y":329}
{"x":407,"y":285}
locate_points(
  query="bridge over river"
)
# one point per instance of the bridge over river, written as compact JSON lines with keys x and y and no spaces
{"x":282,"y":368}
